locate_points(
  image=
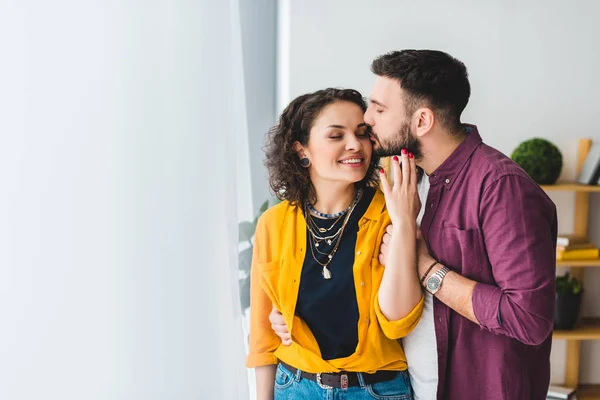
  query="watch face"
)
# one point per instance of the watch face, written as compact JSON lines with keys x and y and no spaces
{"x":433,"y":283}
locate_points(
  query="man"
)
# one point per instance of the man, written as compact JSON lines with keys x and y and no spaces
{"x":487,"y":251}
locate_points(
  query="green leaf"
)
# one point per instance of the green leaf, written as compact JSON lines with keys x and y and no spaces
{"x":264,"y":207}
{"x":261,"y":210}
{"x":568,"y":284}
{"x":245,"y":260}
{"x":245,"y":231}
{"x":245,"y":293}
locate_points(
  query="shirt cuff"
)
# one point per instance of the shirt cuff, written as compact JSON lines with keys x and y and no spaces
{"x":486,"y":305}
{"x":260,"y":360}
{"x":402,"y":327}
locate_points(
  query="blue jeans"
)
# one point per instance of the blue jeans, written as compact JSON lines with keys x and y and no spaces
{"x":290,"y":386}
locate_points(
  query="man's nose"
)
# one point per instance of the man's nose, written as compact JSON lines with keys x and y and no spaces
{"x":368,"y":117}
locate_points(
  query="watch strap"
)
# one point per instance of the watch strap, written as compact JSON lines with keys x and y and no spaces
{"x":440,"y":274}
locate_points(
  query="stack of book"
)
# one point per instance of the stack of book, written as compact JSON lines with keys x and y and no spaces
{"x":572,"y":247}
{"x":561,"y":393}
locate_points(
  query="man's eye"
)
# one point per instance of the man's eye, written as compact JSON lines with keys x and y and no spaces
{"x":379,"y":111}
{"x":335,"y":137}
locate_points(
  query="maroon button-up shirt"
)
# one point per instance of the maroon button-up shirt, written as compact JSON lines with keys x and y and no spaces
{"x":487,"y":220}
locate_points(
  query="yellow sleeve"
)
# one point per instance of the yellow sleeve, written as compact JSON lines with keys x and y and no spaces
{"x":263,"y":341}
{"x":402,"y":327}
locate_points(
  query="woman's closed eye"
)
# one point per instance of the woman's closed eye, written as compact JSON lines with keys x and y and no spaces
{"x":363,"y":132}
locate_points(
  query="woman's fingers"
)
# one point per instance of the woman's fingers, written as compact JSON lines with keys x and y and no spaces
{"x":397,"y":172}
{"x":405,"y":167}
{"x":384,"y":182}
{"x":412,"y":169}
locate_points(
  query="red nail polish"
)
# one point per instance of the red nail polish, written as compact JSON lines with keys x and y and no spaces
{"x":381,"y":171}
{"x":410,"y":155}
{"x":404,"y":151}
{"x":395,"y":158}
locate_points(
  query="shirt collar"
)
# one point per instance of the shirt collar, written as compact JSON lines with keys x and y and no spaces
{"x":376,"y":207}
{"x":447,"y":172}
{"x":373,"y":211}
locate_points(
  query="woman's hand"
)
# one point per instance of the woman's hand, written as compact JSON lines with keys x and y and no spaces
{"x":400,"y":292}
{"x":402,"y":199}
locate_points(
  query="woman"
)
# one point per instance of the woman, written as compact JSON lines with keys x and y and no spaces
{"x":315,"y":258}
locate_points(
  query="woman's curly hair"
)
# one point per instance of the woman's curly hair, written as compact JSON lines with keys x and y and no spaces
{"x":287,"y":178}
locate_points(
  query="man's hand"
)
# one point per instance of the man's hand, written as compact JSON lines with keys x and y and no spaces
{"x":383,"y":249}
{"x":424,"y":259}
{"x":279,"y":327}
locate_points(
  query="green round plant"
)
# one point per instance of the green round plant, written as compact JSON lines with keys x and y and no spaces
{"x":540,"y":159}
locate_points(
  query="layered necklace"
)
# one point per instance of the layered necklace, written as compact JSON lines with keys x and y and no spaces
{"x":318,"y":234}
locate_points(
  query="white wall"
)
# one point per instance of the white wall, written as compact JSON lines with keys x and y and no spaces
{"x":534,"y":69}
{"x":259,"y":40}
{"x":117,"y":202}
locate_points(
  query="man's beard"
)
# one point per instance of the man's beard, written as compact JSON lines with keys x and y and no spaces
{"x":403,"y":139}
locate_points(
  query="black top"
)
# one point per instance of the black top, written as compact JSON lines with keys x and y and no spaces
{"x":329,"y":306}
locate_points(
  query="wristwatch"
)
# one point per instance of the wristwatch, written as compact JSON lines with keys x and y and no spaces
{"x":434,"y":282}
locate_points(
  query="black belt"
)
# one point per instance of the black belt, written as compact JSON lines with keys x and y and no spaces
{"x":343,"y":380}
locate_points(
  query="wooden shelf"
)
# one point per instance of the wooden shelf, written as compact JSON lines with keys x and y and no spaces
{"x":588,"y":329}
{"x":571,"y":187}
{"x":588,"y":392}
{"x":579,"y":263}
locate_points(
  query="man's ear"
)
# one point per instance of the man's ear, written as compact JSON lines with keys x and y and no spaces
{"x":424,"y":120}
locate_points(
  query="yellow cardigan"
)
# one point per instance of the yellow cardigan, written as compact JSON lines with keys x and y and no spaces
{"x":279,"y":251}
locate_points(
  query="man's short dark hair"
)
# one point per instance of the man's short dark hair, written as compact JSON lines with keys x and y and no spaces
{"x":430,"y":78}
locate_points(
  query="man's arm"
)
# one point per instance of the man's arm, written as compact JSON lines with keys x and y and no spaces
{"x":456,"y":291}
{"x":519,"y":226}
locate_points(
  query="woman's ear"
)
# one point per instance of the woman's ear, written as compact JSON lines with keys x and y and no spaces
{"x":302,"y":155}
{"x":299,"y":149}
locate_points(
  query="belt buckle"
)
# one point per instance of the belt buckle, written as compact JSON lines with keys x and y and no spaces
{"x":323,"y":386}
{"x":344,"y":381}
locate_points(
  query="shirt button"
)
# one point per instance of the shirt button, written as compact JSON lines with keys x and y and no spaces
{"x":358,"y":253}
{"x":431,"y":205}
{"x":447,"y":181}
{"x":362,"y":284}
{"x":367,"y":320}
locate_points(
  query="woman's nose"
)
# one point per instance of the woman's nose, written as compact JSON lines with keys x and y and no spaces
{"x":353,"y":143}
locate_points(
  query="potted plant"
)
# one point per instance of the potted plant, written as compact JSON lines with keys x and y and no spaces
{"x":540,"y":158}
{"x":246,"y":235}
{"x":568,"y":301}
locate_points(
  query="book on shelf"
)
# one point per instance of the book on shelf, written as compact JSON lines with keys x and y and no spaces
{"x":590,"y":171}
{"x":576,"y":246}
{"x":579,"y":254}
{"x":568,"y":239}
{"x":561,"y":393}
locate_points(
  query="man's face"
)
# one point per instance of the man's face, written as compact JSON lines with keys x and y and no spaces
{"x":391,"y":126}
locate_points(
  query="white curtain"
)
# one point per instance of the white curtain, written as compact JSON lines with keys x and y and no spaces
{"x":118,"y":241}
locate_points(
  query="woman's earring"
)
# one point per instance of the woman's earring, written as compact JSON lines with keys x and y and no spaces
{"x":305,"y":162}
